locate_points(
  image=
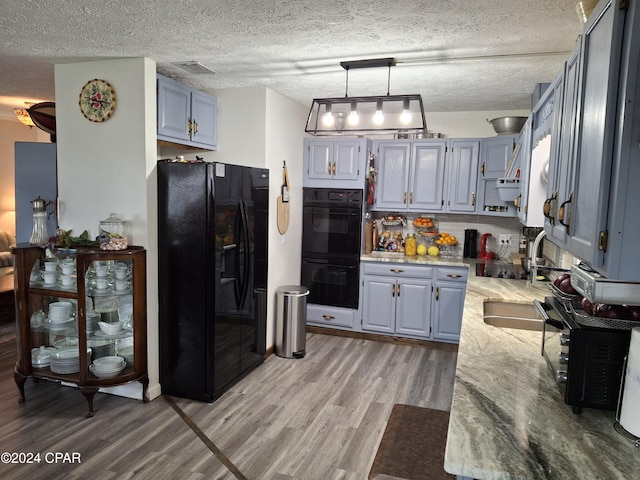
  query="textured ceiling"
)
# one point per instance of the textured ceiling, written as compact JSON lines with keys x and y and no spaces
{"x":459,"y":54}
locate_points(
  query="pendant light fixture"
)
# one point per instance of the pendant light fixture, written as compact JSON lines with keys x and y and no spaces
{"x":380,"y":114}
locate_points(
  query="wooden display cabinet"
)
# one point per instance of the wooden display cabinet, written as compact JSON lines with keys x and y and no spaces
{"x":89,"y":304}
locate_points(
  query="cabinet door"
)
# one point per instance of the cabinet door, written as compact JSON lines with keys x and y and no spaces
{"x":380,"y":304}
{"x":561,"y":166}
{"x":345,"y":156}
{"x":393,"y":175}
{"x":496,"y":155}
{"x":413,"y":307}
{"x":463,"y":176}
{"x":174,"y":107}
{"x":494,"y":158}
{"x":447,"y":311}
{"x":426,"y":176}
{"x":319,"y":159}
{"x":204,"y":114}
{"x":600,"y":66}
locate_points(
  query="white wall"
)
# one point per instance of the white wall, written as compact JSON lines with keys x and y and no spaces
{"x":467,"y":124}
{"x":109,"y":167}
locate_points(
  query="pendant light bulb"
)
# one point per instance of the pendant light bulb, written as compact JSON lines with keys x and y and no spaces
{"x":353,"y":118}
{"x":327,"y":118}
{"x":378,"y":118}
{"x":405,"y":117}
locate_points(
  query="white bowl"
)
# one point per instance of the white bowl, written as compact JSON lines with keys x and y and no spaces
{"x":101,"y":374}
{"x":110,"y":328}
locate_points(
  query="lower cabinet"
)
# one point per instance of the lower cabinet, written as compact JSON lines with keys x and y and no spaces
{"x":413,"y":301}
{"x":448,"y":305}
{"x":328,"y":316}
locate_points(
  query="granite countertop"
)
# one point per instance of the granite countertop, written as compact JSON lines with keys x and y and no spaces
{"x":392,"y":257}
{"x":508,"y":420}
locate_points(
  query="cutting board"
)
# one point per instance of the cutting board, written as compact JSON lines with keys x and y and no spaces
{"x":283,"y":203}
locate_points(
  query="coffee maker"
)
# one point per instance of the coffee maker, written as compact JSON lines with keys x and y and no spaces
{"x":470,"y":244}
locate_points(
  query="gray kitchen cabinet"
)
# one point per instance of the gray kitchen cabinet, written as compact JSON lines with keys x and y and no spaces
{"x":186,"y":116}
{"x":462,"y":176}
{"x":329,"y":316}
{"x":410,"y":175}
{"x":397,"y":299}
{"x":496,"y":154}
{"x":450,"y":288}
{"x":562,"y":151}
{"x":593,"y":210}
{"x":338,"y":163}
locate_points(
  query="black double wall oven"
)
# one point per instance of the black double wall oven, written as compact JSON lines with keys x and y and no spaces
{"x":331,"y":244}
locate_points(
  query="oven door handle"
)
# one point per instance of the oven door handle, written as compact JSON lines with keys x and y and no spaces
{"x":548,"y":320}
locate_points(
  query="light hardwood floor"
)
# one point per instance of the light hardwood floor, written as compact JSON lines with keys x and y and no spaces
{"x":320,"y":417}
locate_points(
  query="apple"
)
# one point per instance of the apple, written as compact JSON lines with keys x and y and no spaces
{"x":566,"y":287}
{"x":587,"y":306}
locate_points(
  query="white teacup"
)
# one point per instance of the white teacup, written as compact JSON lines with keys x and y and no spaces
{"x":101,"y":271}
{"x":122,"y":284}
{"x":121,"y":271}
{"x":50,"y":278}
{"x":67,"y":268}
{"x":101,"y":283}
{"x":50,"y":266}
{"x":66,"y":280}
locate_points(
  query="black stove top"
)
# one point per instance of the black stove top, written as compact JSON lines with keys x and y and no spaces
{"x":500,"y":269}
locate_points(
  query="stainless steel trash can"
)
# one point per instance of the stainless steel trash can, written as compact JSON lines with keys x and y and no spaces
{"x":291,"y":321}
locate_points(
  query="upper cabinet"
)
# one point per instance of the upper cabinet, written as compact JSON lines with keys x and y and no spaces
{"x":462,"y":176}
{"x":495,"y":157}
{"x":338,"y":163}
{"x":186,"y":116}
{"x":410,"y":174}
{"x":592,"y":193}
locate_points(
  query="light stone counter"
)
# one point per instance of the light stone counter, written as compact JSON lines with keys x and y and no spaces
{"x":508,"y":420}
{"x":393,"y":257}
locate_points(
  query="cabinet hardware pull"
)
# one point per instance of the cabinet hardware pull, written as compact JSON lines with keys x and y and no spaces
{"x":603,"y":236}
{"x":411,"y":197}
{"x":564,"y":212}
{"x":473,"y":199}
{"x":396,"y":270}
{"x":189,"y":126}
{"x":437,"y":292}
{"x":404,"y":198}
{"x":329,"y":168}
{"x":328,"y":317}
{"x":393,"y":290}
{"x":195,"y":127}
{"x":398,"y":290}
{"x":549,"y":206}
{"x":453,"y":275}
{"x":334,"y":169}
{"x":482,"y":169}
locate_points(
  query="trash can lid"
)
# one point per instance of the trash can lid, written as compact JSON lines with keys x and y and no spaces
{"x":293,"y":290}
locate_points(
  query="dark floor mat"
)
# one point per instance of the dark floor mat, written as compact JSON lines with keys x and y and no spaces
{"x":413,"y":444}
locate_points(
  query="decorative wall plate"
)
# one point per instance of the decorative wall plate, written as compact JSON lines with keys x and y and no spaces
{"x":97,"y":100}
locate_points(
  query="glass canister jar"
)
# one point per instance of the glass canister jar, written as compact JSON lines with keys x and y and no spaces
{"x":112,"y":233}
{"x":410,"y":245}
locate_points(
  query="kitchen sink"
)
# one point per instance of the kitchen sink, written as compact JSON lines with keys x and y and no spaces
{"x":522,"y":316}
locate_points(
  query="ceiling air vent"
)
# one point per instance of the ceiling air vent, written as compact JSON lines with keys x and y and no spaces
{"x":195,"y":67}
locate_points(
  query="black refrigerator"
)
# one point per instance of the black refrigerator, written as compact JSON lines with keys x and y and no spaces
{"x":212,"y":275}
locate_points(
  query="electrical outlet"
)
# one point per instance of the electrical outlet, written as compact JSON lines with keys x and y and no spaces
{"x":505,"y":238}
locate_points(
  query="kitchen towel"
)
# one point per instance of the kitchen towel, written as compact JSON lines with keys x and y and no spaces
{"x":630,"y":408}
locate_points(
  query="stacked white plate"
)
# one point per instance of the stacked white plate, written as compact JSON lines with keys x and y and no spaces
{"x":65,"y":361}
{"x":59,"y":312}
{"x":107,"y":367}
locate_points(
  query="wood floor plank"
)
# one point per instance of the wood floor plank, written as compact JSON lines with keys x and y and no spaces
{"x":290,"y":419}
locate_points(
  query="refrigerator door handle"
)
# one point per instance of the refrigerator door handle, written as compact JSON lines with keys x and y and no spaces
{"x":245,"y":240}
{"x":236,"y":258}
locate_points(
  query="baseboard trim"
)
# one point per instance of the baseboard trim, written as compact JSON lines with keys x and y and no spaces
{"x":449,"y":347}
